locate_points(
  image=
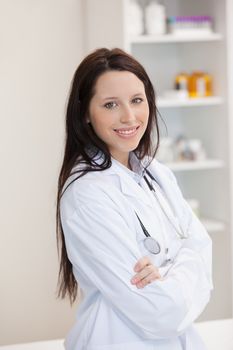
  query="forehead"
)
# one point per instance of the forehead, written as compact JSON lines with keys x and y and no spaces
{"x":118,"y":83}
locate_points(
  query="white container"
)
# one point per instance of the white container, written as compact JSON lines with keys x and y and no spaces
{"x":135,"y":18}
{"x":197,"y":149}
{"x":155,"y":18}
{"x":176,"y":94}
{"x":165,"y":150}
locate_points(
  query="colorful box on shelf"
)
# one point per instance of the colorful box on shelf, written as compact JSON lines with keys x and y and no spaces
{"x":188,"y":25}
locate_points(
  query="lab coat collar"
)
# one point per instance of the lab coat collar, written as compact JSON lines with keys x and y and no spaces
{"x":128,"y":179}
{"x":129,"y":182}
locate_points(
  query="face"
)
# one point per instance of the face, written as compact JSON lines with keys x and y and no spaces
{"x":119,"y":112}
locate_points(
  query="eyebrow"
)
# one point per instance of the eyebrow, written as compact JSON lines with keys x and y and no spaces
{"x":115,"y":97}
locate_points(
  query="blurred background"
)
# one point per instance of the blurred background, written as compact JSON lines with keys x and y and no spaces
{"x":186,"y":47}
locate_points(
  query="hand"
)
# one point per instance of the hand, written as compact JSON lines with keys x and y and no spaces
{"x":146,"y":272}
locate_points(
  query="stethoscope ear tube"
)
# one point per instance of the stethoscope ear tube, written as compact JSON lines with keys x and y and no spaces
{"x":146,"y":233}
{"x":150,"y":175}
{"x":149,"y":184}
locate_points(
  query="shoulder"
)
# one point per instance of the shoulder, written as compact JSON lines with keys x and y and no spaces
{"x":94,"y":188}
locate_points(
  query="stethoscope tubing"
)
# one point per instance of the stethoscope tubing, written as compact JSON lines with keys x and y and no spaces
{"x":150,"y":243}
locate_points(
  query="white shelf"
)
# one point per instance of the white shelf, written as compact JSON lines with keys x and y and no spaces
{"x":213,"y":225}
{"x":172,"y":38}
{"x":189,"y":102}
{"x":196,"y":165}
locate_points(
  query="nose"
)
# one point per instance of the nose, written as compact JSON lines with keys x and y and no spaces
{"x":127,"y":115}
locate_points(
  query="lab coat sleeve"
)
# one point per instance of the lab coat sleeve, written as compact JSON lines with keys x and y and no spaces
{"x":100,"y":245}
{"x":192,"y":267}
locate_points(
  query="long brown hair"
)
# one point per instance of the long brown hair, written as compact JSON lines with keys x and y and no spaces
{"x":80,"y":137}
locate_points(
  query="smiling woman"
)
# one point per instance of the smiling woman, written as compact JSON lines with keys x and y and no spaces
{"x":127,"y":237}
{"x":119,"y":121}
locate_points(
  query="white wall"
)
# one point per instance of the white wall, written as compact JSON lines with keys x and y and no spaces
{"x":40,"y":47}
{"x":230,"y":106}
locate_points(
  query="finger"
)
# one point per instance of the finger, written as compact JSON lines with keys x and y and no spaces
{"x":144,"y":272}
{"x":147,"y":280}
{"x":142,"y":262}
{"x":150,"y":269}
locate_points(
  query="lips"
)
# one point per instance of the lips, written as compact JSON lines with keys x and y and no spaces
{"x":127,"y":131}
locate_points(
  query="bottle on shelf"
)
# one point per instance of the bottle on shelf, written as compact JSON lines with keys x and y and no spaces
{"x":180,"y":149}
{"x":200,"y":85}
{"x":196,"y":85}
{"x":165,"y":152}
{"x":155,"y":18}
{"x":189,"y":149}
{"x":135,"y":18}
{"x":181,"y":83}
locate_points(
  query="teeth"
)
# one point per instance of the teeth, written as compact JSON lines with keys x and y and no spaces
{"x":126,"y":132}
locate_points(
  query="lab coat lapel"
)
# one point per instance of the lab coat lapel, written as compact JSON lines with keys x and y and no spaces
{"x":129,"y":187}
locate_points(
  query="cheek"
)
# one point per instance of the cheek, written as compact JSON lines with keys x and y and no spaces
{"x":101,"y":125}
{"x":145,"y":113}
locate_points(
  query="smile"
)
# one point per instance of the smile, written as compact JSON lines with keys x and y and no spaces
{"x":127,"y":132}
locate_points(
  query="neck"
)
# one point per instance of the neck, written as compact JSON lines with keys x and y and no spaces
{"x":124,"y":160}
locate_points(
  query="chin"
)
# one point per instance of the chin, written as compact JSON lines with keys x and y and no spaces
{"x":132,"y":148}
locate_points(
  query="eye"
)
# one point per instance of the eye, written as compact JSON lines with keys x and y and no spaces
{"x":137,"y":100}
{"x":110,"y":105}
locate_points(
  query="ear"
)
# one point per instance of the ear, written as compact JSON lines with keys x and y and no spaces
{"x":88,"y":118}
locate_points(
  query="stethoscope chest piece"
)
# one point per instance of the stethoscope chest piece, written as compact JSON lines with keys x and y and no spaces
{"x":152,"y":245}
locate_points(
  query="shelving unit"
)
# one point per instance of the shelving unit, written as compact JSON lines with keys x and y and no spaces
{"x":209,"y":119}
{"x":189,"y":102}
{"x":172,"y":38}
{"x":213,"y":226}
{"x":196,"y":165}
{"x":201,"y":180}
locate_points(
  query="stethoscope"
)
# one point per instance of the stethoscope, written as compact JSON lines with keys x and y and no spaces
{"x":150,"y":243}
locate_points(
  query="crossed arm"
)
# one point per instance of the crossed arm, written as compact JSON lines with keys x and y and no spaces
{"x":100,"y":244}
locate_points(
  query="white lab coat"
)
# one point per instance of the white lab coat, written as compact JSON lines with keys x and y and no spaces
{"x":104,"y":241}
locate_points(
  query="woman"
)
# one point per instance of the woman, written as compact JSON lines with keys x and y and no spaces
{"x":141,"y":258}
